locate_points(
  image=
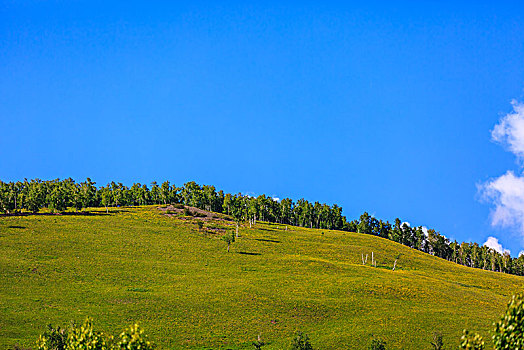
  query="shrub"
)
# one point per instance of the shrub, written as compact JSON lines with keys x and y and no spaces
{"x":377,"y":344}
{"x":85,"y":338}
{"x":258,"y":344}
{"x":133,"y":338}
{"x":509,"y":331}
{"x":52,"y":339}
{"x":470,"y":341}
{"x":200,"y":224}
{"x":301,"y":342}
{"x":437,"y":343}
{"x":187,"y":212}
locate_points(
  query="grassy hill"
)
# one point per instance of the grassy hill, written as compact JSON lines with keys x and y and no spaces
{"x":187,"y":291}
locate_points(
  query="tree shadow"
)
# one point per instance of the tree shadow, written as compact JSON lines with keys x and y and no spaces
{"x":80,"y":213}
{"x":266,"y":240}
{"x":15,"y":226}
{"x":249,"y":253}
{"x":266,"y":229}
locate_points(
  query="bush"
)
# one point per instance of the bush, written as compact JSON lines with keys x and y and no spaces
{"x":258,"y":344}
{"x":377,"y":344}
{"x":133,"y":338}
{"x":188,"y":212}
{"x":301,"y":342}
{"x":200,"y":224}
{"x":86,"y":338}
{"x":52,"y":339}
{"x":471,"y":341}
{"x":438,"y":343}
{"x":509,"y":331}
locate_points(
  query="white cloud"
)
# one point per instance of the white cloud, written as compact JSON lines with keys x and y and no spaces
{"x":521,"y":252}
{"x":493,"y":243}
{"x":405,"y":222}
{"x":276,"y":199}
{"x":507,"y":194}
{"x":510,"y":130}
{"x":425,"y":230}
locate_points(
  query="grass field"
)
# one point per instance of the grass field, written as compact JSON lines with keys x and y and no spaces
{"x":187,"y":291}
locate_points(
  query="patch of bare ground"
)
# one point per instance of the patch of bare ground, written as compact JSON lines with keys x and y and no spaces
{"x":195,"y":213}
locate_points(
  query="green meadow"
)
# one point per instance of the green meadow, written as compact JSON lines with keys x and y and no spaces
{"x":182,"y":286}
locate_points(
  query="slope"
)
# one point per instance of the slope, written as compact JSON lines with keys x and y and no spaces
{"x":181,"y":285}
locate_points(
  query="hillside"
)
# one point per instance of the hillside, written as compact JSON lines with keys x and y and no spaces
{"x":187,"y":291}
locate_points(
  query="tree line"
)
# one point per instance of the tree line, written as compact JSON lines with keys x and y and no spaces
{"x":432,"y":242}
{"x":58,"y":195}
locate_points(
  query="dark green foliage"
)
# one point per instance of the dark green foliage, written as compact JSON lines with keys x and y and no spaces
{"x":53,"y":339}
{"x":188,"y":212}
{"x":229,"y":238}
{"x":509,"y":331}
{"x":377,"y":344}
{"x":258,"y":344}
{"x":437,"y":343}
{"x":301,"y":342}
{"x":200,"y":224}
{"x":133,"y":338}
{"x":85,"y":337}
{"x":470,"y":341}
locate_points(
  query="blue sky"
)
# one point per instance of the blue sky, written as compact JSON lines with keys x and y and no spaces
{"x":385,"y":107}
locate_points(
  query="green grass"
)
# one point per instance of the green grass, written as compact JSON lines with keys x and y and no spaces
{"x":182,"y":286}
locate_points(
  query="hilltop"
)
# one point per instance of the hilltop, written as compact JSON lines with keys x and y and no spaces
{"x":177,"y":280}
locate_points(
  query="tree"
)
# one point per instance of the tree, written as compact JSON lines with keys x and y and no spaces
{"x":396,"y":233}
{"x":301,"y":342}
{"x":155,"y":193}
{"x":229,"y":238}
{"x":35,"y":196}
{"x":106,"y":197}
{"x":363,"y":226}
{"x":227,"y":203}
{"x":238,"y":210}
{"x":88,"y":193}
{"x":165,"y":191}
